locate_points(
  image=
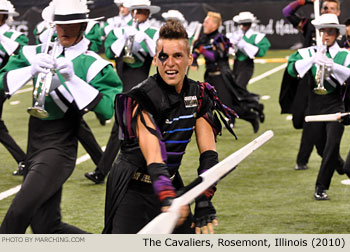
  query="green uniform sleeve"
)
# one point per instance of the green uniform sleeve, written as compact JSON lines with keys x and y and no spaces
{"x":263,"y":46}
{"x":109,"y":84}
{"x":15,"y":62}
{"x":111,"y":38}
{"x":95,"y":38}
{"x":291,"y":61}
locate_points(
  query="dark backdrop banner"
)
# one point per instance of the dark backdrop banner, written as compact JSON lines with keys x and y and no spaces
{"x":277,"y":29}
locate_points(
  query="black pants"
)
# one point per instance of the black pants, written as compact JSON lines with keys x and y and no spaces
{"x":5,"y":138}
{"x":243,"y":71}
{"x":306,"y":145}
{"x":230,"y":98}
{"x":110,"y":152}
{"x":299,"y":106}
{"x":129,"y":76}
{"x":138,"y":207}
{"x":52,"y":152}
{"x":327,"y":137}
{"x":10,"y":143}
{"x":88,"y":140}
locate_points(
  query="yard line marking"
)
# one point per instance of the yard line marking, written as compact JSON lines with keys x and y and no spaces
{"x":265,"y":97}
{"x":272,"y":71}
{"x":289,"y":117}
{"x":23,"y":90}
{"x":346,"y":182}
{"x":15,"y":102}
{"x":9,"y":192}
{"x":15,"y":189}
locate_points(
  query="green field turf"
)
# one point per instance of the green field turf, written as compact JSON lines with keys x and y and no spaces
{"x":263,"y":195}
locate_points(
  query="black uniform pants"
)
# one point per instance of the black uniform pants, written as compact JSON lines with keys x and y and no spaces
{"x":88,"y":141}
{"x":110,"y":152}
{"x":327,"y":137}
{"x":243,"y":71}
{"x":130,"y":76}
{"x":299,"y":106}
{"x":52,"y":152}
{"x":5,"y":138}
{"x":306,"y":145}
{"x":139,"y":206}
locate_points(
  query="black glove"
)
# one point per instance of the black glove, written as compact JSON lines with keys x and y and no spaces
{"x":345,"y":120}
{"x":204,"y":212}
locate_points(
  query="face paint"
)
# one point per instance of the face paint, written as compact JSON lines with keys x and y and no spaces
{"x":162,"y":56}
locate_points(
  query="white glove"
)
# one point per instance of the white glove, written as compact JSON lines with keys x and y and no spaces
{"x":129,"y":31}
{"x":65,"y":68}
{"x":42,"y":63}
{"x":140,"y":36}
{"x":321,"y":59}
{"x":236,"y":36}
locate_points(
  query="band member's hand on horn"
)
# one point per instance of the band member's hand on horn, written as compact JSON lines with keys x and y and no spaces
{"x":42,"y":63}
{"x":65,"y":68}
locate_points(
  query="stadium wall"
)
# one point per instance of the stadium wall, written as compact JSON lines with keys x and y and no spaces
{"x":280,"y":33}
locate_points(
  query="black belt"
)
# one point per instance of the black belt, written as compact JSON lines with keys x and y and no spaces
{"x":145,"y":177}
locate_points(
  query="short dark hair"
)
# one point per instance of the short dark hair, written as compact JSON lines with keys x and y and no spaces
{"x":174,"y":29}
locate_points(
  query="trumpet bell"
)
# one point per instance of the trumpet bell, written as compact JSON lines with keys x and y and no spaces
{"x":128,"y":59}
{"x":320,"y":91}
{"x":38,"y":112}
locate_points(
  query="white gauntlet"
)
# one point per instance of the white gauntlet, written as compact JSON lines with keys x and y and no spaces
{"x":248,"y":49}
{"x":82,"y":92}
{"x":8,"y":44}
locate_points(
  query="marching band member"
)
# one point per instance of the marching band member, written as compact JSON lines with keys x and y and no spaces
{"x":143,"y":35}
{"x":326,"y":136}
{"x":82,"y":82}
{"x":92,"y":33}
{"x":249,"y":44}
{"x":297,"y":101}
{"x":10,"y":43}
{"x":123,"y":19}
{"x":85,"y":134}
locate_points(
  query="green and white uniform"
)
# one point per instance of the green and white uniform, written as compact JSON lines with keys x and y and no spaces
{"x":115,"y":22}
{"x":143,"y":50}
{"x":100,"y":83}
{"x":252,"y":44}
{"x":53,"y":142}
{"x":10,"y":41}
{"x":326,"y":136}
{"x":340,"y":56}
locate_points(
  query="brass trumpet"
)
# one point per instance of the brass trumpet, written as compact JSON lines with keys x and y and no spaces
{"x":42,"y":87}
{"x":129,"y":44}
{"x":321,"y":73}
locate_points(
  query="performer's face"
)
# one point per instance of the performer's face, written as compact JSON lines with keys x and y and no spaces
{"x":210,"y":25}
{"x":172,"y":60}
{"x":141,"y":14}
{"x":69,"y":34}
{"x":329,"y":35}
{"x":330,"y":7}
